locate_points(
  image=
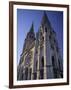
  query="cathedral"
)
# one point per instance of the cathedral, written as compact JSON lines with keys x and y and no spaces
{"x":40,"y":57}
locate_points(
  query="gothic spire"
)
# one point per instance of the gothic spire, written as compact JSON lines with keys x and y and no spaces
{"x":31,"y":32}
{"x":45,"y":19}
{"x":32,"y":28}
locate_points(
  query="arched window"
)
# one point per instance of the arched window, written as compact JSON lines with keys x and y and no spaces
{"x":45,"y":29}
{"x":26,"y":73}
{"x":30,"y":72}
{"x":61,"y":71}
{"x":42,"y":68}
{"x":54,"y":68}
{"x":21,"y":74}
{"x":35,"y":73}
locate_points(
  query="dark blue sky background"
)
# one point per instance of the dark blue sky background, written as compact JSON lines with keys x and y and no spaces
{"x":24,"y":22}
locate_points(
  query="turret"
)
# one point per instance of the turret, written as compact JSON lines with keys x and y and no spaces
{"x":30,"y":38}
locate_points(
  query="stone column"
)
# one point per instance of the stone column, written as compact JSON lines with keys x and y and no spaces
{"x":38,"y":66}
{"x":48,"y":69}
{"x":45,"y":73}
{"x":33,"y":57}
{"x":38,"y":72}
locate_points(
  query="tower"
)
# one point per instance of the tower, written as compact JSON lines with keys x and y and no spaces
{"x":27,"y":56}
{"x":48,"y":58}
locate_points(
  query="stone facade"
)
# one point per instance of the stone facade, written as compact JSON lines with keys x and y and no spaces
{"x":40,"y":58}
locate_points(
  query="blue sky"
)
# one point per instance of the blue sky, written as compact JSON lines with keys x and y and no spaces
{"x":24,"y":22}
